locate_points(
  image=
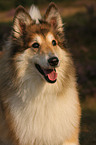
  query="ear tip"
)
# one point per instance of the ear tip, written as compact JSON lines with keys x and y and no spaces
{"x":52,"y":5}
{"x":19,"y":8}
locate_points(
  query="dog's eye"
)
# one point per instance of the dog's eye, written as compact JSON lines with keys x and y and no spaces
{"x":35,"y":45}
{"x":53,"y":42}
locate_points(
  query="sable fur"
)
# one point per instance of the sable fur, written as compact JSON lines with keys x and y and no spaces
{"x":33,"y":111}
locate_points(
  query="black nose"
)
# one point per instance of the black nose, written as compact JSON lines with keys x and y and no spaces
{"x":53,"y":61}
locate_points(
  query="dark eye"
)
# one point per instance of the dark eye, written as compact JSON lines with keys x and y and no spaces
{"x":54,"y":42}
{"x":35,"y":45}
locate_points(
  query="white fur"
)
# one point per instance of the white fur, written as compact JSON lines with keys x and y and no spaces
{"x":43,"y":114}
{"x":69,"y":144}
{"x":50,"y":37}
{"x":46,"y":119}
{"x":35,"y":13}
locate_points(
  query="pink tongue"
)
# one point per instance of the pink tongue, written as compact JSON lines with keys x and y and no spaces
{"x":51,"y":75}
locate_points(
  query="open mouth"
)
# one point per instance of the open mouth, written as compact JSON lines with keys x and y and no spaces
{"x":50,"y":75}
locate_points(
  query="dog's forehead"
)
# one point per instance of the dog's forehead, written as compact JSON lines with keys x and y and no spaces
{"x":41,"y":32}
{"x":42,"y":28}
{"x":40,"y":38}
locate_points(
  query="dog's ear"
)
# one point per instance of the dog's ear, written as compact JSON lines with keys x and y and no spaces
{"x":53,"y":17}
{"x":20,"y":21}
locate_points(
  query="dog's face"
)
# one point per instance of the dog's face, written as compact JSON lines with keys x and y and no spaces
{"x":38,"y":47}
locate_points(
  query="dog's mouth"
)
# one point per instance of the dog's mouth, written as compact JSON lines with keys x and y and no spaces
{"x":50,"y":75}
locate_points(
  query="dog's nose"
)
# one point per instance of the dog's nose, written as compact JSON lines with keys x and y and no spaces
{"x":53,"y":61}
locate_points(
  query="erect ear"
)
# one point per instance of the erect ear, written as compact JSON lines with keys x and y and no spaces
{"x":21,"y":20}
{"x":53,"y":17}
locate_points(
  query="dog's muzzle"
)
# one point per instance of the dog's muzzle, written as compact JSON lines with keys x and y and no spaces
{"x":49,"y":73}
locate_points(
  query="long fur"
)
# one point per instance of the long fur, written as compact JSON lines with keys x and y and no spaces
{"x":32,"y":110}
{"x":35,"y":13}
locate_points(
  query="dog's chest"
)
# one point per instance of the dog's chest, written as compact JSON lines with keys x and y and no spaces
{"x":43,"y":121}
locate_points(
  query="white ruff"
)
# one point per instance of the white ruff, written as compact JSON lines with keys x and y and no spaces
{"x":44,"y":113}
{"x":46,"y":120}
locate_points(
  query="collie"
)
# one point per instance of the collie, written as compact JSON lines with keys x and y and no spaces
{"x":39,"y":102}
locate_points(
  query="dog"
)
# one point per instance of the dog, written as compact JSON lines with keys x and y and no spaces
{"x":39,"y":103}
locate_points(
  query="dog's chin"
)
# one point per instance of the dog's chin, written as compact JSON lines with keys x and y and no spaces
{"x":49,"y":75}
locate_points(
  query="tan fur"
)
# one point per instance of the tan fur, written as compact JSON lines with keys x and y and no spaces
{"x":32,"y":110}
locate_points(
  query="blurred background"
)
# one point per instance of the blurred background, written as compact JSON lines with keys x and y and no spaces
{"x":79,"y":17}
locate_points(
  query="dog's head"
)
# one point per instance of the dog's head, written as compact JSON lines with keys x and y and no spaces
{"x":38,"y":46}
